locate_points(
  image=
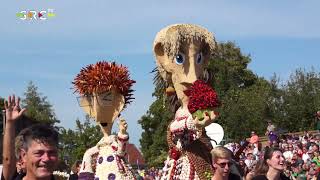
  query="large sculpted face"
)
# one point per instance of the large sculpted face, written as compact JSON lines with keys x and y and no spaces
{"x":105,"y":89}
{"x":104,"y":107}
{"x":185,"y":67}
{"x":186,"y":64}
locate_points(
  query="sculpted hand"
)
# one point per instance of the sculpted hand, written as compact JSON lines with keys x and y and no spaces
{"x":208,"y":119}
{"x":13,"y":110}
{"x":123,"y":126}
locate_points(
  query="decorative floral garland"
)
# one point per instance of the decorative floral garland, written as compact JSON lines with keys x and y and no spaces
{"x":108,"y":159}
{"x":61,"y":175}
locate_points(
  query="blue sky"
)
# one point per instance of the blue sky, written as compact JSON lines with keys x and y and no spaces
{"x":279,"y":36}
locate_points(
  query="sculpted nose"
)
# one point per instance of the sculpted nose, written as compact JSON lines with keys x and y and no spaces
{"x":192,"y":75}
{"x":191,"y":72}
{"x":194,"y":68}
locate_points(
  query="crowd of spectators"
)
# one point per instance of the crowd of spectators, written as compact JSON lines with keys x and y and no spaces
{"x":299,"y":155}
{"x":148,"y":173}
{"x":300,"y":152}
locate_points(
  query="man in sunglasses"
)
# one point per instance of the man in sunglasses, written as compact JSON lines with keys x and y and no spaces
{"x":222,"y":162}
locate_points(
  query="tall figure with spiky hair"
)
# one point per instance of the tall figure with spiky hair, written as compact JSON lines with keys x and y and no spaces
{"x":182,"y":52}
{"x":105,"y":89}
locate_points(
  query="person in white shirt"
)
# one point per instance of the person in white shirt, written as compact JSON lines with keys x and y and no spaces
{"x":305,"y":155}
{"x":249,"y":161}
{"x":270,"y":128}
{"x":288,"y":154}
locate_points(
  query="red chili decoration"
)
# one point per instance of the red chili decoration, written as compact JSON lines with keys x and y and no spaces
{"x":201,"y":96}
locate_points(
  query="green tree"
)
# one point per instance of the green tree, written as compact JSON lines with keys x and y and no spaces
{"x":38,"y":107}
{"x":275,"y":109}
{"x":74,"y":143}
{"x":301,"y":100}
{"x":242,"y":93}
{"x":245,"y":110}
{"x":153,"y":139}
{"x":229,"y":68}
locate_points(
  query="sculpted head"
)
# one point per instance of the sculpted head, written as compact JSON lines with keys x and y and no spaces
{"x":105,"y":89}
{"x":182,"y":51}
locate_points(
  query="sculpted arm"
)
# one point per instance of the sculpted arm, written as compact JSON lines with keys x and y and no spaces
{"x":123,"y":138}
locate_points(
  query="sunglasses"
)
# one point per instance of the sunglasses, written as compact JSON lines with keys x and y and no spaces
{"x":223,"y":165}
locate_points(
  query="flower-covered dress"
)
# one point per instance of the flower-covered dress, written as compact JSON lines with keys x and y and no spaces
{"x":183,"y":160}
{"x":105,"y":161}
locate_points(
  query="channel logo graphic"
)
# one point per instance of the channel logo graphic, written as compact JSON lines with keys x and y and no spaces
{"x":36,"y":15}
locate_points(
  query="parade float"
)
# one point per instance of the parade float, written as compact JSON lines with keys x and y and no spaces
{"x":182,"y":52}
{"x":105,"y":90}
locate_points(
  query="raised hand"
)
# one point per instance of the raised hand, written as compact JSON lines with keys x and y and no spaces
{"x":208,"y":119}
{"x":123,"y":126}
{"x":13,"y":110}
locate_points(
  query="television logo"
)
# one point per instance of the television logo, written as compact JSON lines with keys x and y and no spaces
{"x":36,"y":15}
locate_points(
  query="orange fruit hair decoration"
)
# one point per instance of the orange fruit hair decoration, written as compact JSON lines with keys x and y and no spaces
{"x":102,"y":77}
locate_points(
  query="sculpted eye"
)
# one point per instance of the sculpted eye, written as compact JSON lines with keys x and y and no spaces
{"x":179,"y":58}
{"x":199,"y":58}
{"x":107,"y":97}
